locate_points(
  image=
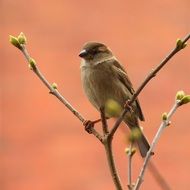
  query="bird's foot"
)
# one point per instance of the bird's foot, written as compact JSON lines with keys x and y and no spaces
{"x":128,"y":106}
{"x":88,"y":126}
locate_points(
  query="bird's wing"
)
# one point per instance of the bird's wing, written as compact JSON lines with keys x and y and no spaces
{"x":122,"y":75}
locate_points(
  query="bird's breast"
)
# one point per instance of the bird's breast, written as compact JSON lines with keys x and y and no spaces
{"x":101,"y":84}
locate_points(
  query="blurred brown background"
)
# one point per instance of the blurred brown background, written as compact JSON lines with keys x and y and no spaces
{"x":44,"y":147}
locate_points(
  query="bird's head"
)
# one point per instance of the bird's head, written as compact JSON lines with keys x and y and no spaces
{"x":95,"y":52}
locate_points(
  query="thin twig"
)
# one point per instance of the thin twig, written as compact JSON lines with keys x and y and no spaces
{"x":108,"y":136}
{"x":57,"y":94}
{"x":53,"y":91}
{"x":104,"y":121}
{"x":107,"y":142}
{"x":163,"y":125}
{"x":111,"y":162}
{"x":97,"y":134}
{"x":130,"y":155}
{"x":147,"y":79}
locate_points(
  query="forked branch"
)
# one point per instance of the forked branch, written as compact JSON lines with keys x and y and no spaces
{"x":107,"y":136}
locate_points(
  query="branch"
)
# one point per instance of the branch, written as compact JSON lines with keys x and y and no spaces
{"x":52,"y":89}
{"x":180,"y":44}
{"x":130,"y":152}
{"x":111,"y":162}
{"x":107,"y":142}
{"x":107,"y":136}
{"x":181,"y":99}
{"x":20,"y":44}
{"x":96,"y":134}
{"x":104,"y":121}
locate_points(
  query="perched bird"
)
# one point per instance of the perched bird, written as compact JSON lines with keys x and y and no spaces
{"x":104,"y":78}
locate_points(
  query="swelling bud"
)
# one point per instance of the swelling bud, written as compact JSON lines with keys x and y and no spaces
{"x":112,"y":108}
{"x":180,"y":44}
{"x":135,"y":135}
{"x":22,"y":38}
{"x":54,"y":86}
{"x":32,"y":64}
{"x":14,"y":41}
{"x":130,"y":151}
{"x":180,"y":94}
{"x":164,"y":116}
{"x":185,"y":100}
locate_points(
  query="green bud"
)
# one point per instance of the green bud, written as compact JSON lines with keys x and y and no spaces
{"x":185,"y":100}
{"x":180,"y":44}
{"x":164,"y":116}
{"x":180,"y":94}
{"x":54,"y":86}
{"x":113,"y":108}
{"x":130,"y":152}
{"x":133,"y":151}
{"x":127,"y":151}
{"x":22,"y":38}
{"x":14,"y":41}
{"x":135,"y":134}
{"x":32,"y":63}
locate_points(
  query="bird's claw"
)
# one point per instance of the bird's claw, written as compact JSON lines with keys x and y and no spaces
{"x":88,"y":126}
{"x":128,"y":106}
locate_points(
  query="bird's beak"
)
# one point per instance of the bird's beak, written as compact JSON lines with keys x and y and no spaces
{"x":83,"y":53}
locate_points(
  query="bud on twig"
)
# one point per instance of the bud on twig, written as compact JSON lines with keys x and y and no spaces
{"x":135,"y":135}
{"x":113,"y":108}
{"x":32,"y":63}
{"x":130,"y":152}
{"x":180,"y":44}
{"x":22,"y":38}
{"x":164,"y":116}
{"x":180,"y":94}
{"x":54,"y":86}
{"x":14,"y":41}
{"x":185,"y":100}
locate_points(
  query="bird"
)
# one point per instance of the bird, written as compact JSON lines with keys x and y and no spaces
{"x":104,"y":78}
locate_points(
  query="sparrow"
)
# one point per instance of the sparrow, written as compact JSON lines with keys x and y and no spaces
{"x":104,"y":78}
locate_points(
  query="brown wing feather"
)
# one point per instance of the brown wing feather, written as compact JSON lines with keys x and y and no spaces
{"x":125,"y":80}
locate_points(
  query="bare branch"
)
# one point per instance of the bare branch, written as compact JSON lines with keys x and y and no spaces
{"x":107,"y":137}
{"x":179,"y":46}
{"x":111,"y":162}
{"x":97,"y":135}
{"x":104,"y":121}
{"x":53,"y":91}
{"x":163,"y":125}
{"x":130,"y":154}
{"x":107,"y":142}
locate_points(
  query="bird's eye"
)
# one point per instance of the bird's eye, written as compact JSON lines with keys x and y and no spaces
{"x":95,"y":51}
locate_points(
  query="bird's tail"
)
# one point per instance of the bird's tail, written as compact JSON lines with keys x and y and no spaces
{"x":143,"y":145}
{"x":142,"y":142}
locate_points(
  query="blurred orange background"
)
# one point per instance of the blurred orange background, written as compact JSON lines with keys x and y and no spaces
{"x":43,"y":145}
